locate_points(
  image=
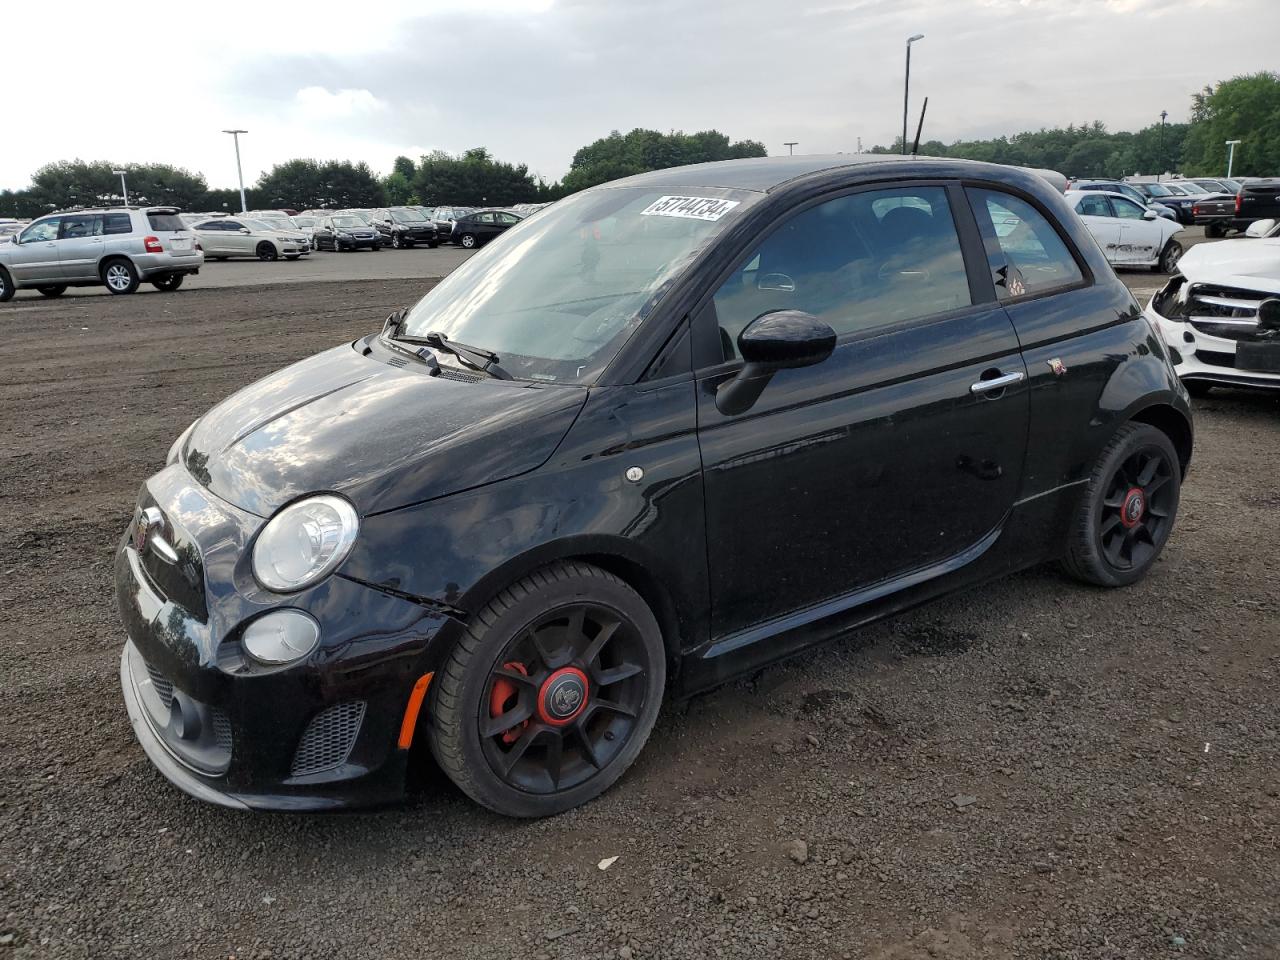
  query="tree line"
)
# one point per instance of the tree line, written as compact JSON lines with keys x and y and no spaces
{"x":1246,"y":108}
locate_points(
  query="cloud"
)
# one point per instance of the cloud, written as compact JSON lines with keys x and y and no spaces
{"x":321,"y":103}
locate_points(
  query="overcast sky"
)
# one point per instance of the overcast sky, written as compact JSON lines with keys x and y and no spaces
{"x":533,"y":80}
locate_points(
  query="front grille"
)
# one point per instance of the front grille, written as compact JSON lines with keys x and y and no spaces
{"x":164,"y":688}
{"x":328,"y":740}
{"x":222,"y":730}
{"x":1227,"y":312}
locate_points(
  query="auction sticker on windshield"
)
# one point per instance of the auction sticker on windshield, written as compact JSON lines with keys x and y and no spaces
{"x":692,"y":208}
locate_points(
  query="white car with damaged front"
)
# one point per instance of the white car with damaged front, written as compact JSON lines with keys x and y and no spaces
{"x":1129,"y":234}
{"x":1212,"y":316}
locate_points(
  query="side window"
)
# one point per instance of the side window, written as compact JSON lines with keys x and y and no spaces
{"x":230,"y":225}
{"x":1093,"y":205}
{"x":1026,"y":255}
{"x":79,"y":225}
{"x":858,"y":262}
{"x":38,"y":232}
{"x":1127,"y":209}
{"x":508,"y":218}
{"x":116,"y":223}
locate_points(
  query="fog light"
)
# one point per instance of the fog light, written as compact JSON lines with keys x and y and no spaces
{"x":281,"y":637}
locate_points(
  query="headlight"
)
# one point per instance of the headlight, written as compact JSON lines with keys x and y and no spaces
{"x":281,"y":636}
{"x":176,"y":450}
{"x":304,"y":542}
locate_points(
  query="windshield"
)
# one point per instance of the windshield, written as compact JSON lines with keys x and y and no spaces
{"x":557,"y":296}
{"x":403,"y":214}
{"x":259,"y":225}
{"x":1191,"y":189}
{"x":348,"y":222}
{"x":1156,"y":190}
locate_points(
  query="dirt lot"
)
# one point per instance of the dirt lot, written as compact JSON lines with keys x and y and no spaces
{"x":1033,"y":769}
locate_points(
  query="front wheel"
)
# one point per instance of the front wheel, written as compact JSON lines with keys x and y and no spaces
{"x":120,"y":277}
{"x":7,"y":289}
{"x":1169,"y":257}
{"x":551,"y":693}
{"x":1127,"y":510}
{"x":468,"y":240}
{"x":53,"y":290}
{"x":267,"y":251}
{"x":169,"y":283}
{"x":396,"y":242}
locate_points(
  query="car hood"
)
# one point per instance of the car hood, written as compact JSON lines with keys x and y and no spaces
{"x":382,"y":435}
{"x":1252,"y":263}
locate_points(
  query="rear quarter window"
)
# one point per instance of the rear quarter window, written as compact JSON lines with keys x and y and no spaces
{"x":165,"y":221}
{"x":116,"y":223}
{"x":1027,"y":256}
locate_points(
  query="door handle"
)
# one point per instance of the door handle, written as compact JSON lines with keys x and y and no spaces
{"x":996,"y":383}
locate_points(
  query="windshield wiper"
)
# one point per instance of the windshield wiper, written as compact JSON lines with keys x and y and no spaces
{"x":482,"y":361}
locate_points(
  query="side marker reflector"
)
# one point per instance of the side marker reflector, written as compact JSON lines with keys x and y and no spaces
{"x":410,"y":721}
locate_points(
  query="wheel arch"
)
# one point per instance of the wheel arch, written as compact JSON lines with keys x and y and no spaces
{"x":1173,"y":424}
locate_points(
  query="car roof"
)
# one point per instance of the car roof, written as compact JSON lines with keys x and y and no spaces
{"x":1072,"y":194}
{"x":764,"y":174}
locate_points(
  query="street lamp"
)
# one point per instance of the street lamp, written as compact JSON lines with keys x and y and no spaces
{"x":123,"y":189}
{"x":1160,"y":163}
{"x":906,"y":89}
{"x":235,"y":134}
{"x":791,"y":146}
{"x":1231,"y":156}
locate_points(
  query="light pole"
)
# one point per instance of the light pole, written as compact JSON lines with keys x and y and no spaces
{"x":235,"y":134}
{"x":1163,"y":114}
{"x":906,"y":90}
{"x":1231,"y":156}
{"x":791,"y":147}
{"x":123,"y":189}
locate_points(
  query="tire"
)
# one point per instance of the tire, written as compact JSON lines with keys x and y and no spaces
{"x":1198,"y":388}
{"x":548,"y":689}
{"x":396,"y":242}
{"x":1214,"y":230}
{"x":266,"y":251}
{"x":170,"y":283}
{"x":54,"y":290}
{"x":1105,"y":527}
{"x":468,"y":240}
{"x":1169,"y":257}
{"x":7,"y":289}
{"x":120,"y":276}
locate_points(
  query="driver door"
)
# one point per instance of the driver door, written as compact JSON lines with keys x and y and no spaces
{"x":890,"y":457}
{"x":34,"y":255}
{"x":1139,"y":237}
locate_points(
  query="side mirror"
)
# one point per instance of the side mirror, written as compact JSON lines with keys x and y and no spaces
{"x":1260,"y":228}
{"x":245,"y":230}
{"x":780,"y":340}
{"x":1149,"y":214}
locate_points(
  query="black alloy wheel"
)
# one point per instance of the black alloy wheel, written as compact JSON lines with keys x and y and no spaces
{"x":267,"y":251}
{"x":1128,"y":508}
{"x":551,"y":693}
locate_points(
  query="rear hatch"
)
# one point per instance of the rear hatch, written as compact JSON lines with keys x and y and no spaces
{"x":1260,"y":199}
{"x":166,"y":226}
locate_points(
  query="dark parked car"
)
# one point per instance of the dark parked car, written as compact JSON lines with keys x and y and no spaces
{"x":477,"y":229}
{"x":1256,"y":200}
{"x":404,"y":227}
{"x":445,"y":217}
{"x":1173,"y":196}
{"x":346,"y":231}
{"x":693,"y":422}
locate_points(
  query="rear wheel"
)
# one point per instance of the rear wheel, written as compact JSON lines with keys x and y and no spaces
{"x":266,"y":251}
{"x":468,"y":240}
{"x":1128,"y":508}
{"x":551,"y":693}
{"x":120,"y":276}
{"x":1169,"y":257}
{"x":7,"y":289}
{"x":1214,"y":230}
{"x":169,"y":283}
{"x":54,"y":290}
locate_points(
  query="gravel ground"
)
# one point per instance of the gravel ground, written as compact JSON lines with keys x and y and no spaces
{"x":1031,"y":769}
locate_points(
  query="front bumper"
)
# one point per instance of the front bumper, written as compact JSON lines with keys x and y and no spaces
{"x":357,"y":243}
{"x":319,"y":734}
{"x":415,"y":236}
{"x":1199,"y":356}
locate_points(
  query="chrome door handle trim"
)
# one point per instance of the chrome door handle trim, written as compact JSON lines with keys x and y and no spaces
{"x":996,"y":383}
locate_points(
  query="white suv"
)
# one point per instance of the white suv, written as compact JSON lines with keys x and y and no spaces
{"x":118,"y":248}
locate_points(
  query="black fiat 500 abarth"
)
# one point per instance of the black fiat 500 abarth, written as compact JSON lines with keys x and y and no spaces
{"x":669,"y":430}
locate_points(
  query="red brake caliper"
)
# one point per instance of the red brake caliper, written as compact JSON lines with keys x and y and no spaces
{"x":504,"y":697}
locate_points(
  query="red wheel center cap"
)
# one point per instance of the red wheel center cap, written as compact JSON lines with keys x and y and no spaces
{"x":563,"y":696}
{"x":1133,"y":507}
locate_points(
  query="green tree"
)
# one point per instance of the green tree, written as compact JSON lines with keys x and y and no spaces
{"x":83,"y":183}
{"x":474,"y":178}
{"x":1245,"y":108}
{"x":622,"y":155}
{"x":306,"y":184}
{"x":403,"y":166}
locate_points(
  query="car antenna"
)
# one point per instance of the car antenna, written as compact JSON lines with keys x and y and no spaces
{"x":920,"y":126}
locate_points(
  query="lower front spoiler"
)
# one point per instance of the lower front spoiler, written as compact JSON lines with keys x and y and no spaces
{"x":388,"y":788}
